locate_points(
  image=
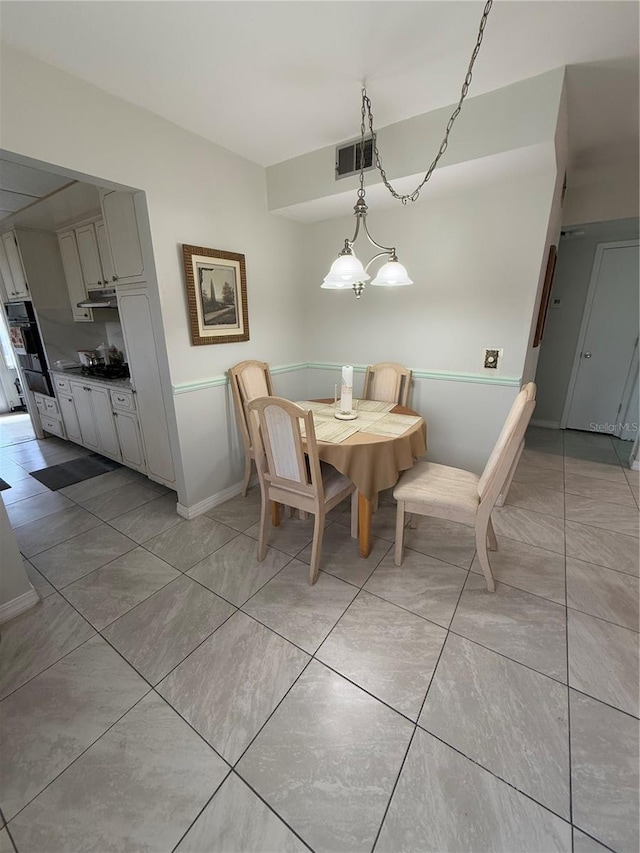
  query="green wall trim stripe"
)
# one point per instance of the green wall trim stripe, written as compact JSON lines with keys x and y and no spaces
{"x":440,"y":375}
{"x":289,"y":368}
{"x":476,"y":378}
{"x":215,"y":381}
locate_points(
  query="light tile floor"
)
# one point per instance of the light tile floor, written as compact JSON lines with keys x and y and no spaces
{"x":171,"y":693}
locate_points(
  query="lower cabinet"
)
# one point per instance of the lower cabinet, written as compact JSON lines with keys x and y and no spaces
{"x":69,"y":417}
{"x":102,"y":419}
{"x":49,"y":414}
{"x":95,"y":418}
{"x":129,"y":440}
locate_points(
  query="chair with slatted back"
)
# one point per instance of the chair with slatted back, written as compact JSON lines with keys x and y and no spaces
{"x":388,"y":382}
{"x":457,"y":495}
{"x":286,"y":477}
{"x":248,"y":379}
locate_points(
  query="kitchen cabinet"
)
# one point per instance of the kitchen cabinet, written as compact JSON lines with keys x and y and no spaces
{"x":104,"y":252}
{"x":12,"y":269}
{"x":129,"y":439}
{"x":95,"y":418}
{"x":95,"y":258}
{"x":137,"y":326}
{"x":73,"y":275}
{"x":121,"y":223}
{"x":49,"y":414}
{"x":69,"y":416}
{"x":87,"y":240}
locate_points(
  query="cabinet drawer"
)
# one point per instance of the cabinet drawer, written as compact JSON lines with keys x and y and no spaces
{"x":51,"y":425}
{"x":51,"y":407}
{"x":62,"y":384}
{"x":41,"y":404}
{"x":123,"y":400}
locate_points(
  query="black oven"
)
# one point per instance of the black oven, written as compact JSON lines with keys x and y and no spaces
{"x":39,"y":382}
{"x":28,"y":346}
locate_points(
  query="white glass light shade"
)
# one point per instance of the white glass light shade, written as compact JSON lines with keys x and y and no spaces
{"x":345,"y":271}
{"x":391,"y":274}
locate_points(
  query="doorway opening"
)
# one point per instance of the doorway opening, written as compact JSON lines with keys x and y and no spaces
{"x":587,"y":371}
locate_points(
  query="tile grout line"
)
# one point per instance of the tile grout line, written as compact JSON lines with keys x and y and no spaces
{"x":86,"y":749}
{"x":566,"y":629}
{"x":339,"y":674}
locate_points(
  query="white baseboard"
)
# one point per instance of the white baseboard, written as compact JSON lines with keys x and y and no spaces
{"x":18,"y":605}
{"x":545,"y":424}
{"x":208,"y":503}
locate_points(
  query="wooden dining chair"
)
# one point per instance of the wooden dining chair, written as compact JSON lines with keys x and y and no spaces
{"x":388,"y":382}
{"x":248,"y":380}
{"x":458,"y":495}
{"x":286,"y":477}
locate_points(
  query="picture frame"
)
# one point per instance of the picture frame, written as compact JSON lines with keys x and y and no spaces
{"x":217,"y":295}
{"x":546,"y":296}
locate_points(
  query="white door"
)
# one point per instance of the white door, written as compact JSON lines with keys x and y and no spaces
{"x":129,"y":439}
{"x":73,"y":275}
{"x":69,"y":417}
{"x":608,"y":339}
{"x":122,"y":228}
{"x":20,"y":289}
{"x":135,"y":316}
{"x":105,"y":252}
{"x":89,"y":258}
{"x":82,"y":398}
{"x":108,"y":441}
{"x":5,"y":273}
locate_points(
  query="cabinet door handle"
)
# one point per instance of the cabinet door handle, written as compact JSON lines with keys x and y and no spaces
{"x":114,"y":278}
{"x":115,"y":414}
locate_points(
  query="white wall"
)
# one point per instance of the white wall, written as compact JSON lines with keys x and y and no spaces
{"x":197,"y":193}
{"x":16,"y":592}
{"x":573,"y":273}
{"x":475,"y":257}
{"x":510,"y":118}
{"x":612,"y":196}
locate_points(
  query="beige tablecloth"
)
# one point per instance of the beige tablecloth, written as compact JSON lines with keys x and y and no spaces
{"x":374,"y":462}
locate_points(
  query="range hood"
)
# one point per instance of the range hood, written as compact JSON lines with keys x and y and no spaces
{"x":100,"y":299}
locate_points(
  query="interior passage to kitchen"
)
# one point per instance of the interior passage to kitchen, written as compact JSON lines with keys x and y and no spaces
{"x":77,"y":332}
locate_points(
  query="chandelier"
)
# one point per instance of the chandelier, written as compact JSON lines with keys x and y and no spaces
{"x":347,"y":272}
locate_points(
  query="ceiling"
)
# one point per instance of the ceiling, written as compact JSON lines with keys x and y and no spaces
{"x":21,"y":186}
{"x":273,"y":80}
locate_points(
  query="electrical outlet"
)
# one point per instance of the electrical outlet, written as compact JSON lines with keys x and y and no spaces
{"x":491,"y":359}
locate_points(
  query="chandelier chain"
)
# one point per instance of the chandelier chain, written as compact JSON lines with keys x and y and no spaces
{"x":366,"y":112}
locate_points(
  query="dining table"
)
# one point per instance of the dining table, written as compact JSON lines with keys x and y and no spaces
{"x":372,"y":450}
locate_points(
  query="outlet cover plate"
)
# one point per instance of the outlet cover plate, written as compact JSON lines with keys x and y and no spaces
{"x":492,"y":359}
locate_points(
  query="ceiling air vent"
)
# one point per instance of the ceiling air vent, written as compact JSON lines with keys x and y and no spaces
{"x":348,"y":157}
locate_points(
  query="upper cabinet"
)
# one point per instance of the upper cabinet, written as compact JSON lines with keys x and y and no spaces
{"x":95,"y":264}
{"x":12,"y":269}
{"x":74,"y":275}
{"x":104,"y":252}
{"x":121,"y":223}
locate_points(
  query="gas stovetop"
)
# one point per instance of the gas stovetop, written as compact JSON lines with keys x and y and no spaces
{"x":106,"y":371}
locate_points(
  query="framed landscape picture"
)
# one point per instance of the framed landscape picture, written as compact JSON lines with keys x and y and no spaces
{"x":217,"y":295}
{"x":546,"y":296}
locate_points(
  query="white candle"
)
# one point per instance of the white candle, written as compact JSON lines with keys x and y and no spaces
{"x":346,"y":398}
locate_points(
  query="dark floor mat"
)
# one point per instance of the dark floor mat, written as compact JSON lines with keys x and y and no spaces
{"x":3,"y":485}
{"x":83,"y":468}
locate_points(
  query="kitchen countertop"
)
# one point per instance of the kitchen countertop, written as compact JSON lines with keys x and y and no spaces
{"x":76,"y":373}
